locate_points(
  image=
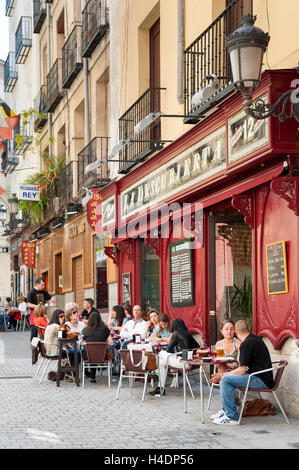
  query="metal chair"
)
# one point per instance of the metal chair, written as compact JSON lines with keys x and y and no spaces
{"x":279,"y":368}
{"x":25,"y":319}
{"x":96,"y":359}
{"x":48,"y":359}
{"x":132,"y":368}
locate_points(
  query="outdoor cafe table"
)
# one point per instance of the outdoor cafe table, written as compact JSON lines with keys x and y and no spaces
{"x":75,"y":367}
{"x":199,"y":362}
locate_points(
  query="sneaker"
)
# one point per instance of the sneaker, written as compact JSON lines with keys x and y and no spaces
{"x":225,"y":420}
{"x":156,"y":392}
{"x":219,"y":414}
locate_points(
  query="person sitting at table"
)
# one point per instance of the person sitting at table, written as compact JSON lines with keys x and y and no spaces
{"x":10,"y":313}
{"x":40,"y":318}
{"x":135,"y":326}
{"x":51,"y":339}
{"x":229,"y":343}
{"x":4,"y":318}
{"x":128,"y":312}
{"x":163,"y":329}
{"x":72,"y":318}
{"x":152,"y":323}
{"x":254,"y":357}
{"x":95,"y":332}
{"x":118,"y":314}
{"x":180,"y":339}
{"x":88,"y":308}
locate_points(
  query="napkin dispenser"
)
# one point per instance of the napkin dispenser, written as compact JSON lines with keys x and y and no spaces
{"x":187,"y":355}
{"x":136,"y":339}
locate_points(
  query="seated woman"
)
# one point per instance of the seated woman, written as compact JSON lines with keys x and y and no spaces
{"x":152,"y":324}
{"x":40,"y":318}
{"x":163,"y":329}
{"x":95,"y":332}
{"x":128,"y":312}
{"x":72,"y":318}
{"x":117,"y":316}
{"x":180,"y":339}
{"x":230,"y":344}
{"x":51,"y":339}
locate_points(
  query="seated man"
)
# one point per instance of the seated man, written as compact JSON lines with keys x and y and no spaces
{"x":135,"y":326}
{"x":254,"y":357}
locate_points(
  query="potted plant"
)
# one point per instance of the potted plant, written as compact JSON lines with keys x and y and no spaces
{"x":242,"y":300}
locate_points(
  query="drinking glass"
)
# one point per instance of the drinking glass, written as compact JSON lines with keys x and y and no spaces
{"x":219,"y":351}
{"x":213,"y":350}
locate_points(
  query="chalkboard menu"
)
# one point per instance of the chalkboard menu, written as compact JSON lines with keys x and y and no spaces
{"x":277,"y":275}
{"x":181,"y":257}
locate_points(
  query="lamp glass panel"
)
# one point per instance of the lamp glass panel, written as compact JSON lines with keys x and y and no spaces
{"x":251,"y":59}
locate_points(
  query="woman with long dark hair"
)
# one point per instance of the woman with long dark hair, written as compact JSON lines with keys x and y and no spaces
{"x":180,"y":338}
{"x":95,"y":332}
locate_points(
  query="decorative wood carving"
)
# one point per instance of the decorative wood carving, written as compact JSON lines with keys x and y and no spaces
{"x":126,"y":247}
{"x":154,"y":243}
{"x":244,"y":203}
{"x":111,"y":251}
{"x":287,"y":187}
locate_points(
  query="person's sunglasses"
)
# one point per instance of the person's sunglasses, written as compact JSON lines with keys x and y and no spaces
{"x":61,"y":316}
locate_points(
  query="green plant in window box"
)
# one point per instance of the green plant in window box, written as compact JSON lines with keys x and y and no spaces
{"x":47,"y":183}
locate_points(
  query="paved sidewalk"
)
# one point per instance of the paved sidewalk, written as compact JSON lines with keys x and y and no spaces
{"x":47,"y":417}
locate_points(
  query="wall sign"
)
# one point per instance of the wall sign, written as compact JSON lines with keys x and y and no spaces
{"x":201,"y":161}
{"x":28,"y":192}
{"x":108,"y":211}
{"x":245,"y":134}
{"x":277,"y":276}
{"x":181,"y":260}
{"x":126,"y":287}
{"x":92,"y":216}
{"x":75,"y":230}
{"x":29,"y":253}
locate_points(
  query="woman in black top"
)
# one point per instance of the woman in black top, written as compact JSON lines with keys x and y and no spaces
{"x":95,"y":332}
{"x":180,"y":338}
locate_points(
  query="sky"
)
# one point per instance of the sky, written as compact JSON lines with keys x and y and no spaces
{"x":3,"y":31}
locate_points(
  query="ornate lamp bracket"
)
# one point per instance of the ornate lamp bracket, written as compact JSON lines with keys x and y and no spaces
{"x":244,"y":203}
{"x":154,"y":243}
{"x":262,"y":110}
{"x":126,"y":247}
{"x":287,"y":187}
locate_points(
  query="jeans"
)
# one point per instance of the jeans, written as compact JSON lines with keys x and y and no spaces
{"x":228,"y":384}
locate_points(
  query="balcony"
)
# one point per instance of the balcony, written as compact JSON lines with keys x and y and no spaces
{"x":10,"y":72}
{"x":22,"y":137}
{"x":9,"y":161}
{"x":10,"y":4}
{"x":95,"y":23}
{"x":149,"y":139}
{"x":97,"y":149}
{"x":66,"y":180}
{"x":71,"y":57}
{"x":23,"y":39}
{"x":39,"y":14}
{"x":40,"y":106}
{"x":207,"y":56}
{"x":54,"y":86}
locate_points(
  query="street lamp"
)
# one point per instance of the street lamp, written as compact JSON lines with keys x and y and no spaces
{"x":13,"y":204}
{"x":246,"y":47}
{"x":3,"y":213}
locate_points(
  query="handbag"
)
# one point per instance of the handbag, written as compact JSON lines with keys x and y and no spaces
{"x":151,"y":361}
{"x":259,"y":407}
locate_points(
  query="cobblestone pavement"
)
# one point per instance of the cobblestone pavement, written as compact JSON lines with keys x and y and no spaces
{"x":43,"y":416}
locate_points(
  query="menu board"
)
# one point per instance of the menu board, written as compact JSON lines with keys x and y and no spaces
{"x":181,"y":256}
{"x":277,"y":275}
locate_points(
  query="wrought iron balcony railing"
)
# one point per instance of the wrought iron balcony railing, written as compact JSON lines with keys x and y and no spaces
{"x":149,"y":139}
{"x":66,"y":179}
{"x":9,"y":6}
{"x":22,"y":137}
{"x":97,"y":149}
{"x":71,"y":57}
{"x":95,"y":23}
{"x":9,"y":161}
{"x":10,"y":72}
{"x":39,"y":14}
{"x":54,"y":86}
{"x":40,"y":106}
{"x":23,"y":39}
{"x":207,"y":57}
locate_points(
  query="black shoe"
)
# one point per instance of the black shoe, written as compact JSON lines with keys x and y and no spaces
{"x":156,"y":392}
{"x":87,"y":373}
{"x":93,"y":381}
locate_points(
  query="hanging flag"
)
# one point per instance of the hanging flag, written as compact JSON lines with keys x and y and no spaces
{"x":29,"y":253}
{"x":11,"y":118}
{"x":6,"y":132}
{"x":92,"y":216}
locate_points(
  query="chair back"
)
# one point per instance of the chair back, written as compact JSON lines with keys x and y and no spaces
{"x":282,"y":364}
{"x":128,"y":365}
{"x":96,"y":352}
{"x":42,"y":349}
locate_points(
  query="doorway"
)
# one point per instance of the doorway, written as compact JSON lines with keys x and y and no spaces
{"x":150,"y":278}
{"x":230,"y":268}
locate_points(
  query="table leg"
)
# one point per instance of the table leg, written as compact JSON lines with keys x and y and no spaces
{"x":76,"y":364}
{"x":201,"y":393}
{"x":184,"y":386}
{"x":59,"y":365}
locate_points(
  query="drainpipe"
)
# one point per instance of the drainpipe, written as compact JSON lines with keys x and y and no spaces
{"x":181,"y":47}
{"x":49,"y":59}
{"x":86,"y":95}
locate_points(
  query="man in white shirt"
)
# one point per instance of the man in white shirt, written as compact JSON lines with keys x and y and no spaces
{"x":135,"y":326}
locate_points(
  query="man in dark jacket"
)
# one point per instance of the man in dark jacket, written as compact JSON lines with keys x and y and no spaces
{"x":88,"y":308}
{"x":254,"y":357}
